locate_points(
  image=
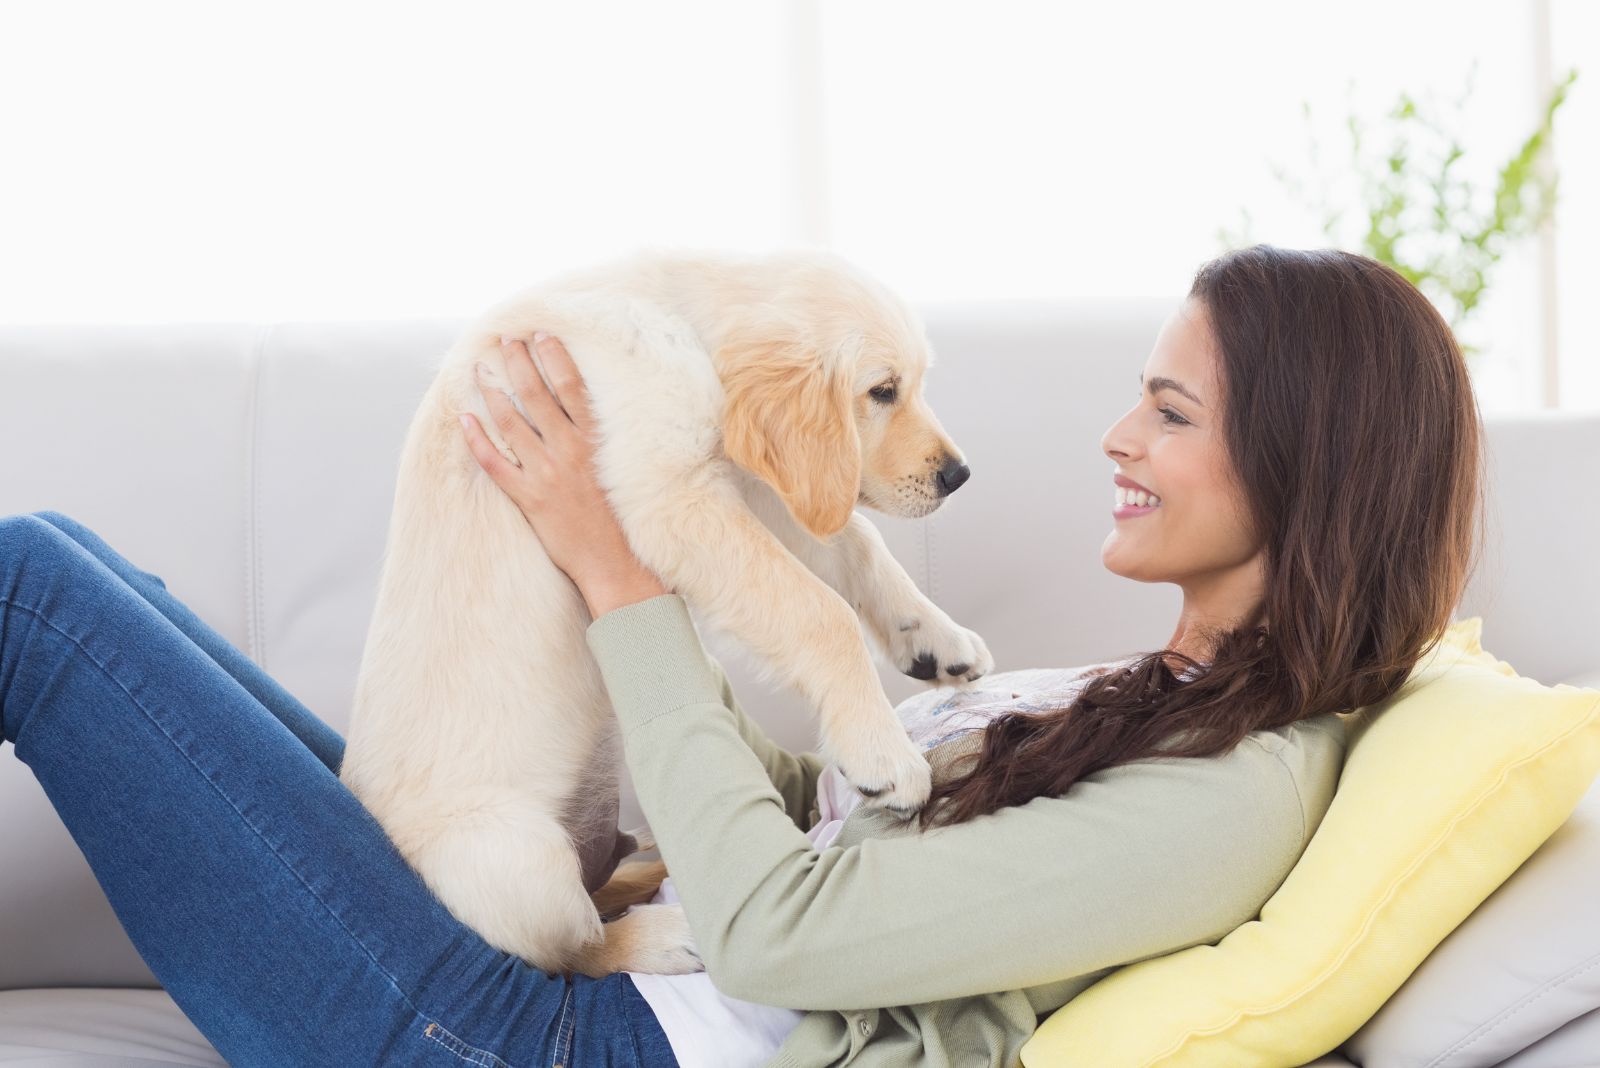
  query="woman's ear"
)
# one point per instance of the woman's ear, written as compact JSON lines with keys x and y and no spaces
{"x":789,"y":421}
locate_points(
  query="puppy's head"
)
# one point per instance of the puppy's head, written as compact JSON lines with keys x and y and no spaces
{"x":823,"y":382}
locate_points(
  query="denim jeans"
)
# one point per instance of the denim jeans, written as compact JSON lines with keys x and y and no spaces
{"x":261,"y":893}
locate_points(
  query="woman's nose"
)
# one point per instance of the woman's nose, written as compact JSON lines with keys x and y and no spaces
{"x":1118,"y":444}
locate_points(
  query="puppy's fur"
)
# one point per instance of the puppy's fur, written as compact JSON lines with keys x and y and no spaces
{"x":745,"y":406}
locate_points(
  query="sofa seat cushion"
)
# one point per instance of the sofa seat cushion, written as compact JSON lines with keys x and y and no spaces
{"x":99,"y":1027}
{"x":1589,"y":680}
{"x":1572,"y":1046}
{"x":1524,"y":964}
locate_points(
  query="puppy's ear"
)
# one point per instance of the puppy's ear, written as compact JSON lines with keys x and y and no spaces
{"x":789,"y":421}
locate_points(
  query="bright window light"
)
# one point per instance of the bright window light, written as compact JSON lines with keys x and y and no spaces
{"x":169,"y":161}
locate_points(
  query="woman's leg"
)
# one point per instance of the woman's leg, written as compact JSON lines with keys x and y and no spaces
{"x":316,"y":735}
{"x":261,"y":893}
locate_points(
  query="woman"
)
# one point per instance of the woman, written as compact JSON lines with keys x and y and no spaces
{"x":1307,"y":430}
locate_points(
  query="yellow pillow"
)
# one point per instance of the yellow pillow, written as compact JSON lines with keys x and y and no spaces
{"x":1447,"y":788}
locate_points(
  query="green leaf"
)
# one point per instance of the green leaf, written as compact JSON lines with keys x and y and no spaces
{"x":1442,"y":231}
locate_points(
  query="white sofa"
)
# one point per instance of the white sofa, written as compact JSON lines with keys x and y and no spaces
{"x":252,"y":467}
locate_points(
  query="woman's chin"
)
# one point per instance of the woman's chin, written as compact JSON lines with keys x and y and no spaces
{"x":1111,"y":555}
{"x":1117,"y":558}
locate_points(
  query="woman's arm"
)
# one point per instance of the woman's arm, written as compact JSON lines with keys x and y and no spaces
{"x":1135,"y":861}
{"x":793,"y":775}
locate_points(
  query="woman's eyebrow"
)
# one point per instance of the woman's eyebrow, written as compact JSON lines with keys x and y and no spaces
{"x":1162,"y":382}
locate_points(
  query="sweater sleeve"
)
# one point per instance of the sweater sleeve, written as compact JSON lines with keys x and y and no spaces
{"x":793,"y":775}
{"x":1132,"y":862}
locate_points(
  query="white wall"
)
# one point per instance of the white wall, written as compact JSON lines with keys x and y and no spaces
{"x":1575,"y":42}
{"x":207,"y":161}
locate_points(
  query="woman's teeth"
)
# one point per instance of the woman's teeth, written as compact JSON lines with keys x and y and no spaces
{"x":1137,"y":498}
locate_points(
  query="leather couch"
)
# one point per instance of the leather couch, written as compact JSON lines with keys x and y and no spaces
{"x":252,"y":467}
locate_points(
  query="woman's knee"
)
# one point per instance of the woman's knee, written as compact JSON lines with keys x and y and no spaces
{"x":35,"y":555}
{"x":92,"y":543}
{"x":65,"y":523}
{"x":30,"y":532}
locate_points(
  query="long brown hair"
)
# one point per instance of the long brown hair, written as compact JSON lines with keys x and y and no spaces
{"x":1350,"y":421}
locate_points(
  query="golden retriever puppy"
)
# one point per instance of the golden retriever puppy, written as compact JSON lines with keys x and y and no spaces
{"x":745,"y":405}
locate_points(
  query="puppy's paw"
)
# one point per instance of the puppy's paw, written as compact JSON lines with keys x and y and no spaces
{"x":883,"y":764}
{"x":655,"y":938}
{"x":934,"y":648}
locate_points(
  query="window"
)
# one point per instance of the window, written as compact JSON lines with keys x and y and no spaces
{"x":197,"y":161}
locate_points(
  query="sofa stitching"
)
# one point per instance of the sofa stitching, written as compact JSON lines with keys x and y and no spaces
{"x":1584,"y":722}
{"x":254,"y":624}
{"x":1505,"y":1014}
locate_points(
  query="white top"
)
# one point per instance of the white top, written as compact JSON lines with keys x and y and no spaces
{"x":708,"y":1029}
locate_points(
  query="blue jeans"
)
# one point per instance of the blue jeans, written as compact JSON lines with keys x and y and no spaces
{"x":262,"y":894}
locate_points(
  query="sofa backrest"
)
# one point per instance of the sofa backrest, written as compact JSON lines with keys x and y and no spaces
{"x":252,"y":467}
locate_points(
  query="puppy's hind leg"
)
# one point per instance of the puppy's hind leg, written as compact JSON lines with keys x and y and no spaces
{"x":633,"y":883}
{"x":644,"y":839}
{"x":650,"y":938}
{"x":510,"y":873}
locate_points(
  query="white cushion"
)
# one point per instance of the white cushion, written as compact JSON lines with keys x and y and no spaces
{"x":1588,"y":681}
{"x":1577,"y":1045}
{"x":1523,"y":965}
{"x":99,"y":1027}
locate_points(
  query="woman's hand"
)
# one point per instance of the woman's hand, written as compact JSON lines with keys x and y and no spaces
{"x":555,"y":486}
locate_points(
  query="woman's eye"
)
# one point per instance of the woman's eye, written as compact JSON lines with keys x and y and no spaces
{"x":1173,"y":417}
{"x":883,"y":394}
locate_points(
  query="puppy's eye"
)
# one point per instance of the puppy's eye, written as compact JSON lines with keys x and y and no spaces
{"x":883,"y":394}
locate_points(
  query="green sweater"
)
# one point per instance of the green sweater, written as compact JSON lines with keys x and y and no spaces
{"x":943,"y":948}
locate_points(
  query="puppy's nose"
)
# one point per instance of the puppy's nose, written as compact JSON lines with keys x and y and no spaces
{"x":951,"y":475}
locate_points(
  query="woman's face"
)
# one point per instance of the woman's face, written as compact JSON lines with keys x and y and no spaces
{"x":1170,"y":442}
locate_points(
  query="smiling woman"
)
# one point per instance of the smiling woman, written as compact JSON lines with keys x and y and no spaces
{"x":1173,"y":442}
{"x":1304,"y":462}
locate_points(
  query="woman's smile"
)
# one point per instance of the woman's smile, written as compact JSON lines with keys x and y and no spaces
{"x":1128,"y":510}
{"x":1173,"y":436}
{"x":1132,"y":499}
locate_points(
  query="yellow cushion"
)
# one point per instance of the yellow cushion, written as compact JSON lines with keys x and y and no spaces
{"x":1447,"y":788}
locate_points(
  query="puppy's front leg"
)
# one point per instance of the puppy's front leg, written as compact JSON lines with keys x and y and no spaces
{"x":911,"y":632}
{"x":733,"y":569}
{"x":916,"y":635}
